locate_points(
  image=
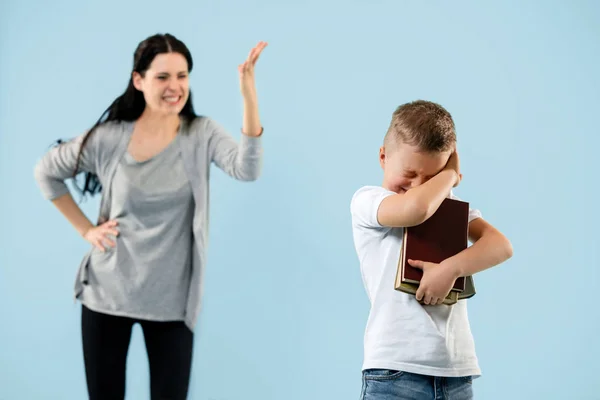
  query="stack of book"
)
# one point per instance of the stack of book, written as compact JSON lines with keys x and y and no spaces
{"x":443,"y":235}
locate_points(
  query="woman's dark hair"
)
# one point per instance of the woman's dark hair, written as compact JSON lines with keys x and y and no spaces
{"x":130,"y":105}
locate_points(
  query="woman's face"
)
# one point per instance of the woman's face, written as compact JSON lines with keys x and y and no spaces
{"x":165,"y":84}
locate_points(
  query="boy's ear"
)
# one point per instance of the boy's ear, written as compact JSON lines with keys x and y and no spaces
{"x":382,"y":156}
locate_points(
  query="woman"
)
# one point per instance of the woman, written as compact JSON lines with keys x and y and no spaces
{"x":149,"y":154}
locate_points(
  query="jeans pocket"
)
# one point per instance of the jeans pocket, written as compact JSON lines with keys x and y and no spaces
{"x":467,"y":379}
{"x":382,"y":374}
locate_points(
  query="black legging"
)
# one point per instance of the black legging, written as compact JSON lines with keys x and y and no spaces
{"x":105,"y":345}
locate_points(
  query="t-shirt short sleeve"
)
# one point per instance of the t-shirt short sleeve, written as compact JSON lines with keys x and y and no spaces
{"x":365,"y":204}
{"x":473,"y":212}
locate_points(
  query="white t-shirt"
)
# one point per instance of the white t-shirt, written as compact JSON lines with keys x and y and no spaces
{"x":402,"y":334}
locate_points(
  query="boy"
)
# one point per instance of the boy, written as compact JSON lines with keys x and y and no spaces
{"x":414,"y":351}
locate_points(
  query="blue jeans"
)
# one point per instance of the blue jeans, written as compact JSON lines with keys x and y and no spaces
{"x":385,"y":384}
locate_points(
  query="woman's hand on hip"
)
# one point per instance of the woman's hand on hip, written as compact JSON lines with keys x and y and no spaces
{"x":98,"y":236}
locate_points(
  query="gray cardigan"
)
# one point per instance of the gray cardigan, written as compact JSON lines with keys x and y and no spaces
{"x":202,"y":142}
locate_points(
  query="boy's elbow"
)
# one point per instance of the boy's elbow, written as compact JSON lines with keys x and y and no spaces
{"x":401,"y":212}
{"x":504,"y":247}
{"x":417,"y":213}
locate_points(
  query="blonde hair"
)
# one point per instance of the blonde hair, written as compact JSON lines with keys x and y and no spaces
{"x":423,"y":124}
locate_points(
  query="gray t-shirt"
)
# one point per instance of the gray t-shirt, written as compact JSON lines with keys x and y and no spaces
{"x":147,"y":274}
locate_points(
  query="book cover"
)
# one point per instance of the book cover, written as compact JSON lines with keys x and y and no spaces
{"x":443,"y":235}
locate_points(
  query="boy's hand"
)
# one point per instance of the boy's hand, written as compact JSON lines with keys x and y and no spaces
{"x":436,"y":283}
{"x":454,"y":164}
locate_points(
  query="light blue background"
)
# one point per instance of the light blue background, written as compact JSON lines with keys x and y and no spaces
{"x":285,"y":309}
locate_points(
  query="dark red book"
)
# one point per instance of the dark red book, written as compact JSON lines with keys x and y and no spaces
{"x":443,"y":235}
